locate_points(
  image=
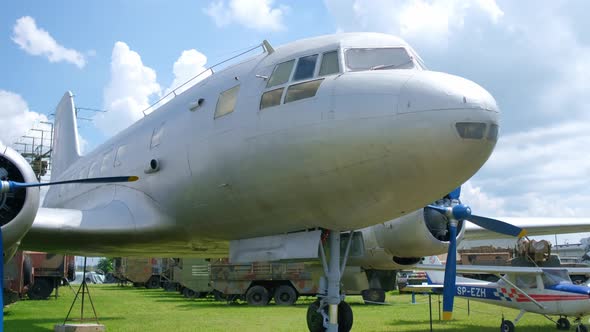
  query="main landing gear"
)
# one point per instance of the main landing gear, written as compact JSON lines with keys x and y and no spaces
{"x":329,"y":312}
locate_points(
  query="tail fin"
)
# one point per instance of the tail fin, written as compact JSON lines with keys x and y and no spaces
{"x":434,"y":277}
{"x":65,"y":138}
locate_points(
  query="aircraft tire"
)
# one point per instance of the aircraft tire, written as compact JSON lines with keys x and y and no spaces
{"x":373,"y":296}
{"x":40,"y":290}
{"x":563,"y":324}
{"x":257,"y":295}
{"x":507,"y":326}
{"x":315,"y":320}
{"x":581,"y":328}
{"x":285,"y":295}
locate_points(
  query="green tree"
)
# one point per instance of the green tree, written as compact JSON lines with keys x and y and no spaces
{"x":105,"y":265}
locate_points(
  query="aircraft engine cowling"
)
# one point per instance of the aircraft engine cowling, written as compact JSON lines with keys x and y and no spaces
{"x":17,"y":209}
{"x":403,"y":242}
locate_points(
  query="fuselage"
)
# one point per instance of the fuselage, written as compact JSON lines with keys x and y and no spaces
{"x":341,"y":148}
{"x":568,"y":300}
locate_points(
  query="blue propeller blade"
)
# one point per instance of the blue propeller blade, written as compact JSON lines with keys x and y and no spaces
{"x":450,"y":274}
{"x":1,"y":282}
{"x":6,"y":186}
{"x":497,"y":226}
{"x":463,"y":212}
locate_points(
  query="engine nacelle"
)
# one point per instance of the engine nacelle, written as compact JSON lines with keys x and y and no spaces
{"x":402,"y":242}
{"x":17,"y":209}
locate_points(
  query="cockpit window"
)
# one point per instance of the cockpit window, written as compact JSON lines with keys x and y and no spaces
{"x":378,"y":58}
{"x":281,"y":73}
{"x":555,"y":277}
{"x":305,"y":67}
{"x":329,"y":63}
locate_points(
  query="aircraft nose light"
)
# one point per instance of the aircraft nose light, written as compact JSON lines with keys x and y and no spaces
{"x":472,"y":130}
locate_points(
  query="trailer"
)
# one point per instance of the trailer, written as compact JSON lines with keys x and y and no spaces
{"x":260,"y":282}
{"x":146,"y":272}
{"x":50,"y":272}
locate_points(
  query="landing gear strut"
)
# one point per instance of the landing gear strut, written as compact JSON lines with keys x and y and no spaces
{"x":330,"y":312}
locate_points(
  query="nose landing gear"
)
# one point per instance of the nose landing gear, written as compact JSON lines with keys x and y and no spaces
{"x":329,"y":312}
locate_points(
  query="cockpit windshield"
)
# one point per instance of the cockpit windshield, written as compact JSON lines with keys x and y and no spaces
{"x":378,"y":59}
{"x":553,"y":277}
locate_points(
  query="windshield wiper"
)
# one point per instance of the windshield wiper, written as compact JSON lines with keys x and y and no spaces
{"x":392,"y":65}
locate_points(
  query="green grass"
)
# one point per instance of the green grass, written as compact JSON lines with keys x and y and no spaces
{"x":139,"y":309}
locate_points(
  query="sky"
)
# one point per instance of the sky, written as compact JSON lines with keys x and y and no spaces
{"x":534,"y":57}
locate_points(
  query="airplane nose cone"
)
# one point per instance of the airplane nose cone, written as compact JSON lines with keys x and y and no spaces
{"x":430,"y":91}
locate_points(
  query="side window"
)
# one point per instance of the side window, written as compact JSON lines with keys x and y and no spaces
{"x":329,"y":63}
{"x":156,"y":136}
{"x":121,"y":155}
{"x":271,"y":98}
{"x":302,"y":90}
{"x":305,"y":67}
{"x":226,"y":102}
{"x":281,"y":73}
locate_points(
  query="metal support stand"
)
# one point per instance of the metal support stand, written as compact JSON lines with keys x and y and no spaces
{"x":413,"y":298}
{"x":85,"y":291}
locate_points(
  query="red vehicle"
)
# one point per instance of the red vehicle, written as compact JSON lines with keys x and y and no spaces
{"x":36,"y":274}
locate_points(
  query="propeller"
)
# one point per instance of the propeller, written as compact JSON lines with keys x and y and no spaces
{"x":6,"y":186}
{"x":455,"y":214}
{"x":11,"y":186}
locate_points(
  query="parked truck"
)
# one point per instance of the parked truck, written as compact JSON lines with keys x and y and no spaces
{"x":36,"y":274}
{"x":50,"y":271}
{"x":258,"y":283}
{"x":150,"y":272}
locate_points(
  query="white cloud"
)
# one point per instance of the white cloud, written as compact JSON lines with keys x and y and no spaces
{"x":189,"y":64}
{"x":17,"y":119}
{"x":36,"y":41}
{"x":429,"y":21}
{"x":128,"y":92}
{"x":535,"y":63}
{"x":253,"y":14}
{"x":540,"y":172}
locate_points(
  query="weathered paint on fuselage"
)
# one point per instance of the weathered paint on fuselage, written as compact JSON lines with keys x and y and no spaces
{"x":369,"y":147}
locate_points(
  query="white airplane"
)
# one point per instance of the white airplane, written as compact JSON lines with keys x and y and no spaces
{"x":545,"y":291}
{"x":263,"y":159}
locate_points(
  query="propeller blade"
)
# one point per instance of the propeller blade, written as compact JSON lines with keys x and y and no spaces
{"x":6,"y":186}
{"x":455,"y":194}
{"x":450,"y":273}
{"x":497,"y":226}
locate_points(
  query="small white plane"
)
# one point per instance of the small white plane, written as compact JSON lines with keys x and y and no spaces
{"x":545,"y":291}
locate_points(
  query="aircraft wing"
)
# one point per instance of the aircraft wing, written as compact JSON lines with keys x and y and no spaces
{"x":133,"y":220}
{"x":534,"y":226}
{"x":485,"y":269}
{"x":421,"y":288}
